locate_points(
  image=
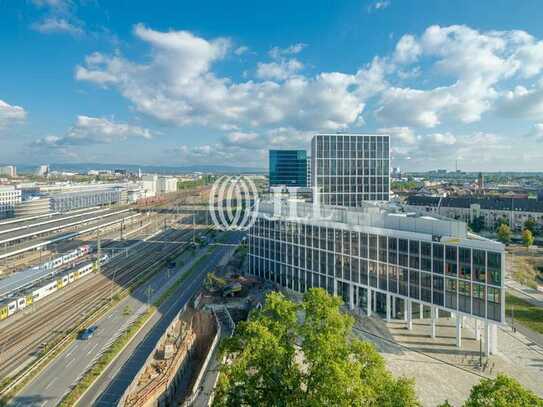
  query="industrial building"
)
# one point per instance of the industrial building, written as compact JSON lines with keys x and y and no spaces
{"x":349,"y":169}
{"x":166,"y":185}
{"x":288,"y":168}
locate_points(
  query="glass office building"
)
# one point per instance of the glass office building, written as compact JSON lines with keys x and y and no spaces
{"x":379,"y":260}
{"x":349,"y":169}
{"x":288,"y":167}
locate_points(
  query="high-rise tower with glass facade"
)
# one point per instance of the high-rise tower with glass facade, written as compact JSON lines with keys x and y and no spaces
{"x":288,"y":167}
{"x":348,"y":169}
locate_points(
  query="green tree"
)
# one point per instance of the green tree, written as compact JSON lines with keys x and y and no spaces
{"x":504,"y":233}
{"x":289,"y":354}
{"x":527,"y":238}
{"x":531,"y":225}
{"x":503,"y":391}
{"x":478,"y":224}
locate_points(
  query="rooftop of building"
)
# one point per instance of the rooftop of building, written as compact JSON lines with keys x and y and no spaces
{"x":379,"y":218}
{"x":491,"y":203}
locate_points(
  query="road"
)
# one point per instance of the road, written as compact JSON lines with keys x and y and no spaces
{"x":110,"y":386}
{"x":49,"y":387}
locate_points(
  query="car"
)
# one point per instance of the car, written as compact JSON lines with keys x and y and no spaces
{"x":87,"y":333}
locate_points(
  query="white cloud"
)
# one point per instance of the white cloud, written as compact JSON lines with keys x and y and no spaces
{"x":407,"y":49}
{"x":278,"y":70}
{"x":402,"y":134}
{"x":91,"y":130}
{"x":10,"y":114}
{"x":277,"y":53}
{"x":522,"y":102}
{"x":378,"y":5}
{"x":177,"y":85}
{"x":241,"y":50}
{"x":536,"y":132}
{"x":52,"y":25}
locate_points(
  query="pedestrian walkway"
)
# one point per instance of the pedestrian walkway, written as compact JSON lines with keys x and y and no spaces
{"x":531,"y":295}
{"x":441,"y":370}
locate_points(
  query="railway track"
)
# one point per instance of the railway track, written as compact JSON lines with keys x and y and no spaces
{"x":20,"y":343}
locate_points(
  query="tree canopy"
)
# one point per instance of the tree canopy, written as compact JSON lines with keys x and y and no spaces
{"x":303,"y":354}
{"x":531,"y":225}
{"x":503,"y":391}
{"x":504,"y":233}
{"x":527,"y":237}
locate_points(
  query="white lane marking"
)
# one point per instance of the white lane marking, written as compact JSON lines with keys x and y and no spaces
{"x":70,"y":362}
{"x":51,"y":383}
{"x":91,"y":349}
{"x":44,"y":403}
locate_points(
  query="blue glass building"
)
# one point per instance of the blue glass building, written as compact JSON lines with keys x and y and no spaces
{"x":288,"y":167}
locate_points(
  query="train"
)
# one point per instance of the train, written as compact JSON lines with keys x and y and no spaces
{"x":19,"y":302}
{"x":64,"y":259}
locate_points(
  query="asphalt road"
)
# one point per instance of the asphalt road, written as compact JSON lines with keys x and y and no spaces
{"x":109,"y":388}
{"x":55,"y":381}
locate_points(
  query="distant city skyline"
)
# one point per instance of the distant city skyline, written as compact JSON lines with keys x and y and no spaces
{"x":196,"y":84}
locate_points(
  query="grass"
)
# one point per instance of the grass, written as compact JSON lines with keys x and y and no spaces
{"x":524,"y":313}
{"x":118,"y":345}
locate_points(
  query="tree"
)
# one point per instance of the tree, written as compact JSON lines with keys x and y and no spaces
{"x":299,"y":355}
{"x":503,"y":221}
{"x":504,"y":233}
{"x":478,"y":224}
{"x":527,"y":238}
{"x":503,"y":391}
{"x":531,"y":225}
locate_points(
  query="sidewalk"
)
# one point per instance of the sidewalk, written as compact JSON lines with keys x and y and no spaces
{"x":531,"y":295}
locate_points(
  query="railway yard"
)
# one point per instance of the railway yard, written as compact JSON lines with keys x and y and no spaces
{"x":46,"y":299}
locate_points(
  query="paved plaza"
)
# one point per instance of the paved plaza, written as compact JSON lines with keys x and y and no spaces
{"x":441,"y":370}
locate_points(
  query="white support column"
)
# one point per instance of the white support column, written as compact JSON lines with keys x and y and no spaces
{"x":493,"y":339}
{"x":437,"y":313}
{"x":351,"y":297}
{"x":458,"y":332}
{"x":421,"y":311}
{"x":335,"y":286}
{"x":393,"y":313}
{"x":368,"y":302}
{"x":433,"y":312}
{"x":477,"y":330}
{"x":487,"y":338}
{"x":387,"y":308}
{"x":409,"y":316}
{"x":405,"y":309}
{"x":374,"y":301}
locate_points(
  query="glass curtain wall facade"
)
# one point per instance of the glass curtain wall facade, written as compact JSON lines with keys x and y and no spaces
{"x":349,"y":169}
{"x":301,"y":254}
{"x":288,"y":167}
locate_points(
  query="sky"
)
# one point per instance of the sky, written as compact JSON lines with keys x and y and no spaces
{"x":215,"y":82}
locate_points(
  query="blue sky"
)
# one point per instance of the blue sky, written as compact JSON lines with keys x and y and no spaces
{"x":205,"y":82}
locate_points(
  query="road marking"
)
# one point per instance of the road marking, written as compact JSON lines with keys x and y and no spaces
{"x":51,"y":383}
{"x":70,"y":362}
{"x":91,"y":349}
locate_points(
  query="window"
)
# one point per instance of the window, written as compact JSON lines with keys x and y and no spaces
{"x":494,"y":268}
{"x":451,"y":263}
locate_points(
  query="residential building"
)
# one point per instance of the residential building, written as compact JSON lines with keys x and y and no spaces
{"x":166,"y":185}
{"x":382,"y":261}
{"x":150,"y":184}
{"x":9,"y":198}
{"x":43,"y":170}
{"x":349,"y":169}
{"x":8,"y":171}
{"x":288,"y":167}
{"x":493,"y":210}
